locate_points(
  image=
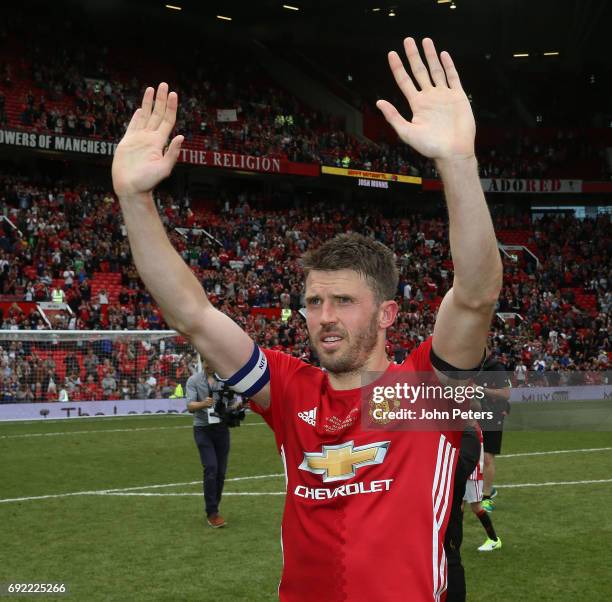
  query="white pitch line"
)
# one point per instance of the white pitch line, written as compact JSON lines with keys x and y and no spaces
{"x":557,"y":451}
{"x":199,"y":494}
{"x":259,"y":476}
{"x":47,"y":497}
{"x":59,"y":433}
{"x":551,"y":483}
{"x":133,"y":491}
{"x":141,"y":487}
{"x":96,"y":418}
{"x":509,"y":486}
{"x":95,"y":431}
{"x":199,"y":482}
{"x":126,"y":489}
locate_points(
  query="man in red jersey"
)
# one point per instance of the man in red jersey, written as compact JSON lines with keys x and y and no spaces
{"x":366,"y":510}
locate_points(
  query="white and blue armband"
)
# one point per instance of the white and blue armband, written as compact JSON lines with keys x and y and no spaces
{"x":252,"y":377}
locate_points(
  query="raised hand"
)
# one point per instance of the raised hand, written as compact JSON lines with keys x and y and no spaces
{"x":442,"y":125}
{"x":140,"y":162}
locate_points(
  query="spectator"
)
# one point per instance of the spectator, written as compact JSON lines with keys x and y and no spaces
{"x":91,"y":390}
{"x":109,"y":385}
{"x":57,"y":295}
{"x":91,"y":363}
{"x":520,"y":374}
{"x":142,"y":389}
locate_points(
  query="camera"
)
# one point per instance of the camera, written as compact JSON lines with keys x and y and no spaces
{"x":223,"y":400}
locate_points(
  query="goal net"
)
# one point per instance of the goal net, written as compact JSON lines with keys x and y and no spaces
{"x":93,"y":365}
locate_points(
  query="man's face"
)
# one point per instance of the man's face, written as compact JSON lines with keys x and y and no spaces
{"x":343,"y":319}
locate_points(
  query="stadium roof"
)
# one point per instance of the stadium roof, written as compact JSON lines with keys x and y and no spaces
{"x":577,"y":29}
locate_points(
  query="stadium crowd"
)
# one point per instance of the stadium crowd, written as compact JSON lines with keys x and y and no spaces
{"x":232,"y":105}
{"x":69,"y":240}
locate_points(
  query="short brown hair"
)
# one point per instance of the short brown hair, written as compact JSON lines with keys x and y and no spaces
{"x":368,"y":257}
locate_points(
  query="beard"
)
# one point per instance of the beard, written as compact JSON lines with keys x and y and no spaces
{"x":356,"y":353}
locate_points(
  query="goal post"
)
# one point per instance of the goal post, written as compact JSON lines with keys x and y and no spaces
{"x":93,"y":365}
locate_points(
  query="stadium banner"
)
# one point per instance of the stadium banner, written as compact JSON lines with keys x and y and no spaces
{"x":519,"y":186}
{"x":58,"y":143}
{"x":369,"y":175}
{"x":25,"y":306}
{"x":228,"y":160}
{"x":561,"y":393}
{"x":106,"y":148}
{"x":87,"y":409}
{"x":225,"y":115}
{"x":531,"y":186}
{"x":378,"y":184}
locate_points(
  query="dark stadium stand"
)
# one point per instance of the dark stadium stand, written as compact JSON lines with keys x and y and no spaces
{"x":46,"y":88}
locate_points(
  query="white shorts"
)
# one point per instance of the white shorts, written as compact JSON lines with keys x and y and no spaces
{"x":473,"y":491}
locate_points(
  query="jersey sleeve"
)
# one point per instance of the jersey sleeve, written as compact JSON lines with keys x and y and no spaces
{"x":419,"y":360}
{"x":283,"y":368}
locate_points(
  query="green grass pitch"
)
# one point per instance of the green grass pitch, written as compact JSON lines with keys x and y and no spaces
{"x":124,"y":545}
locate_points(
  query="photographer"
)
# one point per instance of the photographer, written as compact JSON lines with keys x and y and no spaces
{"x":215,"y":408}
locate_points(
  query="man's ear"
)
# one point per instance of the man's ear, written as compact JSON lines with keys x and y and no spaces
{"x":388,"y":313}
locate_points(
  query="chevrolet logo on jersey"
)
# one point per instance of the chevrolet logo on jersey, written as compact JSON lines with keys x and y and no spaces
{"x":340,"y":462}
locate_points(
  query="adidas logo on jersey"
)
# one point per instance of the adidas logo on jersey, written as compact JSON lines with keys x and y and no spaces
{"x":309,"y":416}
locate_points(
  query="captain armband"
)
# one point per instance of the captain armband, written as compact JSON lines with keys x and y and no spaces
{"x":451,"y":371}
{"x":252,"y":377}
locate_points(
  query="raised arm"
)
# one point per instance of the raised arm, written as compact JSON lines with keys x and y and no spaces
{"x":443,"y":129}
{"x":140,"y":163}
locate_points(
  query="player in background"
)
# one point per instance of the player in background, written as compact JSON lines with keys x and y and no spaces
{"x":494,"y":378}
{"x":364,"y":517}
{"x":473,"y":496}
{"x":469,"y":456}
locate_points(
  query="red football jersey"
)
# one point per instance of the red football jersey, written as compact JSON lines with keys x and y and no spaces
{"x":366,"y":511}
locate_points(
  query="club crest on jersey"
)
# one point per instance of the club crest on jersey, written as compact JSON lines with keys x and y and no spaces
{"x":309,"y":416}
{"x":340,"y":462}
